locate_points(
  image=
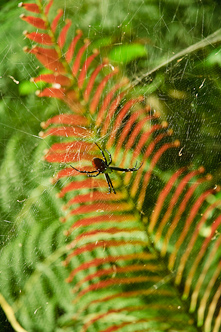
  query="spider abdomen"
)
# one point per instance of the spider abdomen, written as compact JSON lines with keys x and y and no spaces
{"x":99,"y":165}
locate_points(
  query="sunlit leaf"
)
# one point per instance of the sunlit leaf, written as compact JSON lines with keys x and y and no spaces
{"x":127,"y":53}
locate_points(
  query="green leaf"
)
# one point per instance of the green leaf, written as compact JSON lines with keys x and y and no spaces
{"x":214,"y":58}
{"x":102,"y":42}
{"x":141,"y":259}
{"x":124,"y":54}
{"x":28,"y":87}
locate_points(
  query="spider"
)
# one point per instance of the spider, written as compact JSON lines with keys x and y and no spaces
{"x":103,"y":166}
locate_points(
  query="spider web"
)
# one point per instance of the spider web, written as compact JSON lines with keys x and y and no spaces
{"x":185,"y":89}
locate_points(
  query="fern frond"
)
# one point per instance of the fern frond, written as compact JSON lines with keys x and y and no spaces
{"x":126,"y":253}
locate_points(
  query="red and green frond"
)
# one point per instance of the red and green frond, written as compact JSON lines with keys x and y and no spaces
{"x":117,"y":242}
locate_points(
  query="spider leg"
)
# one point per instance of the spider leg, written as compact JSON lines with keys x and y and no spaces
{"x":109,"y":157}
{"x":125,"y":169}
{"x":102,"y":153}
{"x":83,"y":171}
{"x":93,"y":176}
{"x":110,"y":185}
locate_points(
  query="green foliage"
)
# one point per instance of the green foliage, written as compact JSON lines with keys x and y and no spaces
{"x":27,"y":87}
{"x":127,"y":53}
{"x":34,"y":241}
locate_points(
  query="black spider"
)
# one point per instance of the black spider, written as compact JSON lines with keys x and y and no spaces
{"x":102,"y":166}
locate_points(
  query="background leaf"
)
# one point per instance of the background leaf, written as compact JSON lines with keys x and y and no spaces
{"x":186,"y":92}
{"x":127,"y":53}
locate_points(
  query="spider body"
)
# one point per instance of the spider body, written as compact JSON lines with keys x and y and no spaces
{"x":99,"y":164}
{"x":103,"y":167}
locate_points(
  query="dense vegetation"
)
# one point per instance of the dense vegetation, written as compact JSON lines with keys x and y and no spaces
{"x":148,"y":257}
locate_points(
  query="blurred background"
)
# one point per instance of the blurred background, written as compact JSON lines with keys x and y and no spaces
{"x":170,"y":50}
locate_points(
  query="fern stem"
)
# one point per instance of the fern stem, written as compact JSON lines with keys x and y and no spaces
{"x":208,"y":41}
{"x":10,"y":315}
